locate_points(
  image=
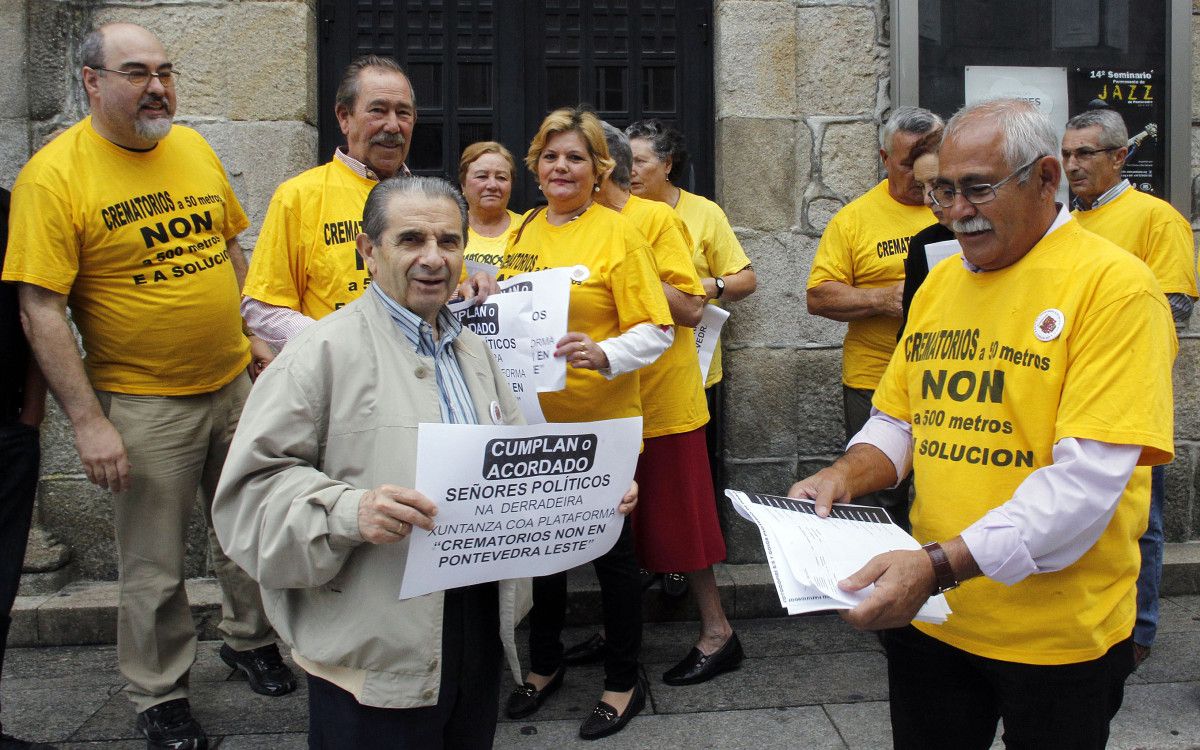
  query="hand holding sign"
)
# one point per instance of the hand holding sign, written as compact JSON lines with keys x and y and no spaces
{"x":580,"y":351}
{"x":388,"y":513}
{"x":515,"y":502}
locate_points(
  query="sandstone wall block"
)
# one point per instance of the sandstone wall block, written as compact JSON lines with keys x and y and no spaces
{"x":850,"y":158}
{"x":52,"y":69}
{"x":251,"y":64}
{"x":841,"y":63}
{"x":772,"y":314}
{"x":756,"y":65}
{"x":1186,"y":381}
{"x":819,"y":417}
{"x":1179,"y":525}
{"x":761,"y":403}
{"x":258,"y":156}
{"x":14,"y":149}
{"x":14,"y":103}
{"x":759,"y":171}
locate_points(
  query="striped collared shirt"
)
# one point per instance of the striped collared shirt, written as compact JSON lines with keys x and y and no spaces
{"x":1108,"y":197}
{"x":362,"y":170}
{"x":453,"y":394}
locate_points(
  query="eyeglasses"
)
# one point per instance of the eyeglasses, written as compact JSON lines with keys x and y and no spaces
{"x":1083,"y":154}
{"x":142,"y":78}
{"x":944,"y":195}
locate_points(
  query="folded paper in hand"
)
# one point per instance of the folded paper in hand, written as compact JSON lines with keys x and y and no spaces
{"x":808,"y":554}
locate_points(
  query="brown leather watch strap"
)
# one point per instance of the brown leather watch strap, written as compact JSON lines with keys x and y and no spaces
{"x":943,"y":574}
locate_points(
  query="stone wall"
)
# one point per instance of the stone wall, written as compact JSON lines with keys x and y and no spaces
{"x":801,"y":85}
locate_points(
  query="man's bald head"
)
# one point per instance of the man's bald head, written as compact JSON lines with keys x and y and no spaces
{"x":129,"y":83}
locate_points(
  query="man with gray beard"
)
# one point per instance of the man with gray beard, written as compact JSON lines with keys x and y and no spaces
{"x":132,"y":221}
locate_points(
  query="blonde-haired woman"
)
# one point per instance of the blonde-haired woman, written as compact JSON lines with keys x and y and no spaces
{"x":618,"y":321}
{"x":485,"y":172}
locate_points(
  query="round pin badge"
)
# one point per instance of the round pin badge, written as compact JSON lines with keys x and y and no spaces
{"x":580,"y":273}
{"x":1049,"y":324}
{"x":497,"y":415}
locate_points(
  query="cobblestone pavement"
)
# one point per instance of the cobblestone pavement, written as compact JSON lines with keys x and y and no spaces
{"x":807,"y":682}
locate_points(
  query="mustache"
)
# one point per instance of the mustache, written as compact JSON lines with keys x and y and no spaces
{"x":153,"y":99}
{"x":392,"y":140}
{"x":970,"y":226}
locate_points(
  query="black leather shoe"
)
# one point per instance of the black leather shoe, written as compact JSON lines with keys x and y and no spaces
{"x":170,"y":726}
{"x":674,"y":585}
{"x":527,"y":699}
{"x":696,"y":667}
{"x":590,"y":651}
{"x":605,"y":720}
{"x":8,"y":742}
{"x":263,"y":668}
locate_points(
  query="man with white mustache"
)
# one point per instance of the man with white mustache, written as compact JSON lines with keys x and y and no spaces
{"x":1027,"y":396}
{"x":305,"y":264}
{"x":132,"y":223}
{"x":1094,"y":149}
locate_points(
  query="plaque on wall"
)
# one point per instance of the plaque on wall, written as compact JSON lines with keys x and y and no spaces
{"x":1138,"y":96}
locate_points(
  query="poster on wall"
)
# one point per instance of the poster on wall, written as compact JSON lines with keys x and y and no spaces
{"x":1138,"y":96}
{"x":1045,"y":87}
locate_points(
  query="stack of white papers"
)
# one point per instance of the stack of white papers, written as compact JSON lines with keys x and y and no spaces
{"x":809,"y":554}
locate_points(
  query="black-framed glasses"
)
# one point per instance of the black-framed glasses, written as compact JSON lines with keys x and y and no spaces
{"x":1085,"y":153}
{"x":142,"y":78}
{"x":943,"y":195}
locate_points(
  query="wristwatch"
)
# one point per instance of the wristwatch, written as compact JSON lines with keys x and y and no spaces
{"x":719,"y":283}
{"x":943,"y":574}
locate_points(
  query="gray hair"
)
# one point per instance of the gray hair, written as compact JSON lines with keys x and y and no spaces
{"x":91,"y":49}
{"x":666,"y":143}
{"x":618,"y":149}
{"x":375,"y":212}
{"x":347,"y":90}
{"x":1028,"y":134}
{"x":915,"y":120}
{"x":1113,"y":133}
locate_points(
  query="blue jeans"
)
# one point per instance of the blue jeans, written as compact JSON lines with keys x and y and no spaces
{"x":1151,"y":545}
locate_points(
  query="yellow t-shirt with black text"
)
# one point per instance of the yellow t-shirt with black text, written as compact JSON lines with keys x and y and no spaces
{"x":864,"y":246}
{"x":715,"y":252}
{"x":1151,"y":229}
{"x":1071,"y":341}
{"x":137,"y":242}
{"x":490,"y":250}
{"x":306,"y":257}
{"x":620,"y":291}
{"x":672,"y":394}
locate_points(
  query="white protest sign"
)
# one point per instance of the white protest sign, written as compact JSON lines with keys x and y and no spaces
{"x":551,"y":290}
{"x":707,"y":334}
{"x":504,"y":321}
{"x":936,"y":252}
{"x":515,"y":502}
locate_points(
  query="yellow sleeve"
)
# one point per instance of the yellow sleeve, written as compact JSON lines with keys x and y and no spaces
{"x":724,"y":253}
{"x":1172,"y":247}
{"x":1120,"y":355}
{"x":673,"y":256}
{"x":43,"y":241}
{"x":834,"y":260}
{"x":279,"y":266}
{"x":635,"y":286}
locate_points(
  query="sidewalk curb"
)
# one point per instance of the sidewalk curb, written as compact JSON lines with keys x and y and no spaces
{"x":85,"y":612}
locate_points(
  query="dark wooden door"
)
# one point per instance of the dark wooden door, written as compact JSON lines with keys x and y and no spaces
{"x":487,"y":70}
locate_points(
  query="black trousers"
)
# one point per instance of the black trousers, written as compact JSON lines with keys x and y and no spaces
{"x":943,"y":697}
{"x":20,"y":452}
{"x":465,"y":715}
{"x":621,"y":595}
{"x":714,"y":434}
{"x":856,"y":405}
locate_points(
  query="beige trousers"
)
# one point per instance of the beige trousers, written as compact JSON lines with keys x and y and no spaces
{"x":176,"y":444}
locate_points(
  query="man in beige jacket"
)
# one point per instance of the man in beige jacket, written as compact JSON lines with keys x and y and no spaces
{"x":315,"y":500}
